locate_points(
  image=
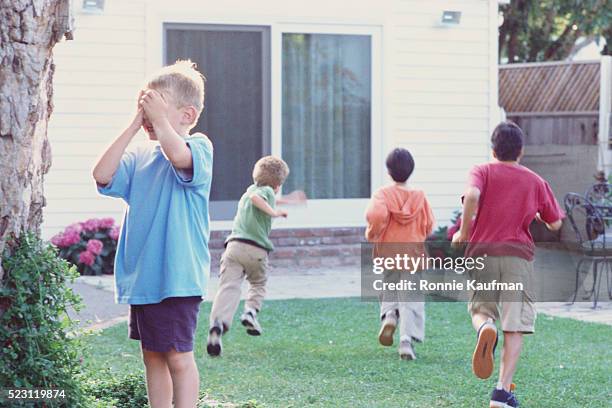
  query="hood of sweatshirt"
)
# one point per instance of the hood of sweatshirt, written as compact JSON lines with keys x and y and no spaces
{"x":404,"y":205}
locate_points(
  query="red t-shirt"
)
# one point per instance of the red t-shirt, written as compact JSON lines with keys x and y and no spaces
{"x":510,"y":197}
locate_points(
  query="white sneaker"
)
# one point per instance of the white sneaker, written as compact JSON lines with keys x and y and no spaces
{"x":406,"y":351}
{"x":387,"y":329}
{"x":249,"y":321}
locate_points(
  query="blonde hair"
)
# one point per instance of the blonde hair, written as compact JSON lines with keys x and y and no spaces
{"x":270,"y":171}
{"x":183,"y":82}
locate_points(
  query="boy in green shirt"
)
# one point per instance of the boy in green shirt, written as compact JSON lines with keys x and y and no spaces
{"x":246,"y":252}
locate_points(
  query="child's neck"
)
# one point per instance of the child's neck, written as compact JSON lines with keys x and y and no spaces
{"x":403,"y":185}
{"x":507,"y":162}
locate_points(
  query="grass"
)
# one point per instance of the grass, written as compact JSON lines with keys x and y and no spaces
{"x":324,"y":353}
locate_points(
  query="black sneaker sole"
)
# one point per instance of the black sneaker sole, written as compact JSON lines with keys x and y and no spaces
{"x":213,"y":350}
{"x":406,"y":357}
{"x":251,"y":331}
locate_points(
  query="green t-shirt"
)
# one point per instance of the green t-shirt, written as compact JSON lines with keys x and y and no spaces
{"x":250,"y":222}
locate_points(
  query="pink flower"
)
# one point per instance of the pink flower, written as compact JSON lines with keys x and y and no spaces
{"x":95,"y":246}
{"x":106,"y":222}
{"x":75,"y":227}
{"x":114,"y":233}
{"x":87,"y":258}
{"x":90,"y":225}
{"x":70,"y":237}
{"x":58,"y":240}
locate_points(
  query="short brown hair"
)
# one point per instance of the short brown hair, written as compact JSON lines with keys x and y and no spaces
{"x":270,"y":171}
{"x":183,"y":82}
{"x":507,"y":141}
{"x":400,"y":164}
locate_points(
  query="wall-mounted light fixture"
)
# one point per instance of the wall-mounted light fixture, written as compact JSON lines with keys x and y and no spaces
{"x":451,"y":17}
{"x":93,"y":6}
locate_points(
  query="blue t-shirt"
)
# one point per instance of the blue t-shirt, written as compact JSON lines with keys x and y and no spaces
{"x":163,"y":247}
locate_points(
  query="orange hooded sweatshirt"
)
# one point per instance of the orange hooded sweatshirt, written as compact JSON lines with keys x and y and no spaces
{"x":397,"y":214}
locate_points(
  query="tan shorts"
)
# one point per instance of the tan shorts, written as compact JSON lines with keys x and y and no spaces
{"x":517,"y":308}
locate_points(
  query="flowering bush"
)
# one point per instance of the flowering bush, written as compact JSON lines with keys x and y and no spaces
{"x":439,"y":242}
{"x":90,"y":245}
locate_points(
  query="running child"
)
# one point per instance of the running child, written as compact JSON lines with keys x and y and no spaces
{"x":246,"y":251}
{"x":399,"y":214}
{"x":505,"y":197}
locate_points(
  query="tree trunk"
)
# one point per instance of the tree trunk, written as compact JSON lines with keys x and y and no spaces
{"x":28,"y":32}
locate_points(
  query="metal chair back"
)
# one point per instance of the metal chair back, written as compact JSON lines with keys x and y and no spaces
{"x":600,"y":195}
{"x":587,"y":222}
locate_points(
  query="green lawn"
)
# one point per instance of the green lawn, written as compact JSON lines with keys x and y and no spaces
{"x":325,"y":353}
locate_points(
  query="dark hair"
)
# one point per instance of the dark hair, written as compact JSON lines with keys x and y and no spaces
{"x":400,"y":164}
{"x":507,"y":141}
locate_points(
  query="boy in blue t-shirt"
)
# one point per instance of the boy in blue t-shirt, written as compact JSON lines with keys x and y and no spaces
{"x":162,"y":259}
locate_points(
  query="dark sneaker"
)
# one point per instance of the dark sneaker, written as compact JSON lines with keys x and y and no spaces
{"x":249,"y":321}
{"x":483,"y":357}
{"x":387,"y":329}
{"x":503,"y":399}
{"x":214,"y":345}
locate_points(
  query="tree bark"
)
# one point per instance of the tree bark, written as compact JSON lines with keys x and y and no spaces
{"x":560,"y":43}
{"x":28,"y":32}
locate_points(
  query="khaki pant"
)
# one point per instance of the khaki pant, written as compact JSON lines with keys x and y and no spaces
{"x":239,"y":260}
{"x":410,"y":307}
{"x":517,"y":308}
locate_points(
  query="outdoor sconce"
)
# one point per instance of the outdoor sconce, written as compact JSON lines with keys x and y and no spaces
{"x":451,"y":17}
{"x":93,"y":6}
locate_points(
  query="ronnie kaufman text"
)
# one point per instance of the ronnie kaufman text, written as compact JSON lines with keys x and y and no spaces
{"x":424,"y":285}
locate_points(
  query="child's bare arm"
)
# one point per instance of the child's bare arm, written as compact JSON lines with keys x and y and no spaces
{"x":260,"y":203}
{"x":296,"y":197}
{"x":470,"y":205}
{"x":172,"y":143}
{"x":107,"y":165}
{"x":553,"y":226}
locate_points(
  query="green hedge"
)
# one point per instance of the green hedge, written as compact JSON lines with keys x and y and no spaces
{"x":36,"y":348}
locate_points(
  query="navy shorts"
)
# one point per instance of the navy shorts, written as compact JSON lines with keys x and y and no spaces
{"x":170,"y":324}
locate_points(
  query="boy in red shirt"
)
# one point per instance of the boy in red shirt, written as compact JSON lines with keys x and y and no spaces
{"x":505,"y":197}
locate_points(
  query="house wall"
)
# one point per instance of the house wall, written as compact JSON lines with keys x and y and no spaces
{"x":436,"y":91}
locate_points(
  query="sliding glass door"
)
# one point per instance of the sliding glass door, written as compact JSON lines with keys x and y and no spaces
{"x":304,"y":92}
{"x":326,"y":115}
{"x":236,"y":116}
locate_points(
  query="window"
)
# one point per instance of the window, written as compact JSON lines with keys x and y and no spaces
{"x":326,"y":114}
{"x":236,"y":63}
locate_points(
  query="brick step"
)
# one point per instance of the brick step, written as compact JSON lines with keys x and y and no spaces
{"x":301,"y":237}
{"x":304,"y":256}
{"x":219,"y":243}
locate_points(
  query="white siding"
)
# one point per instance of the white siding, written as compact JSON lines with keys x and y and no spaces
{"x":96,"y":79}
{"x":440,"y":94}
{"x":438,"y":87}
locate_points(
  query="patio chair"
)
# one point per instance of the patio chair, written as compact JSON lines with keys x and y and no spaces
{"x":600,"y":195}
{"x":593,"y":242}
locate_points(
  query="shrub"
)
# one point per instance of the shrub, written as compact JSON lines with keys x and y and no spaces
{"x":36,"y":349}
{"x":91,"y":245}
{"x":439,"y":242}
{"x":128,"y":391}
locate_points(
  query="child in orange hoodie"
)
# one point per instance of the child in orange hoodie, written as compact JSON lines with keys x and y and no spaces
{"x":399,"y":214}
